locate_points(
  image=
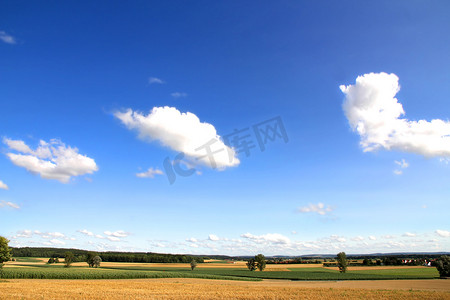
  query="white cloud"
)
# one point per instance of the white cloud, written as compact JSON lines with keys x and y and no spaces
{"x":9,"y":204}
{"x":409,"y":234}
{"x":153,"y":80}
{"x":53,"y":160}
{"x":56,"y":234}
{"x":403,"y":163}
{"x":443,"y":233}
{"x":182,"y":132}
{"x":192,"y":240}
{"x":317,"y":208}
{"x":150,"y":173}
{"x":3,"y":186}
{"x":54,"y":242}
{"x":213,"y":237}
{"x":275,"y":238}
{"x":372,"y":238}
{"x":374,"y":113}
{"x":113,"y":238}
{"x":178,"y":95}
{"x":119,"y":233}
{"x":86,"y":232}
{"x":6,"y":38}
{"x":24,"y":234}
{"x":358,"y":238}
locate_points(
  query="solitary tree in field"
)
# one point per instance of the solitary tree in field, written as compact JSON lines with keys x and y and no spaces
{"x":342,"y":262}
{"x":251,"y":264}
{"x":96,"y":261}
{"x":90,"y":259}
{"x":260,"y":262}
{"x":443,"y":266}
{"x":68,"y":259}
{"x":193,"y":264}
{"x":51,"y":260}
{"x":5,"y":254}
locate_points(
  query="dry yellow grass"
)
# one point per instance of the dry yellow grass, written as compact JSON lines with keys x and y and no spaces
{"x":217,"y":289}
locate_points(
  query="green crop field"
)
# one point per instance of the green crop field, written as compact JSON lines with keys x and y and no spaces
{"x":304,"y":273}
{"x":30,"y":269}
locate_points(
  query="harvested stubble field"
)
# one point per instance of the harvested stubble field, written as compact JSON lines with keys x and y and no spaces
{"x":218,"y":289}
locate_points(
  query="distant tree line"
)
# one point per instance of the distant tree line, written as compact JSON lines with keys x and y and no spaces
{"x":82,"y":255}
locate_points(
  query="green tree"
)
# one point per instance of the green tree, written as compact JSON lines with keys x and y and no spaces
{"x":96,"y":261}
{"x":90,"y":259}
{"x":260,"y":262}
{"x":251,"y":264}
{"x":193,"y":264}
{"x":51,"y":260}
{"x":443,"y":266}
{"x":68,"y":259}
{"x":56,"y":260}
{"x":342,"y":262}
{"x":5,"y":254}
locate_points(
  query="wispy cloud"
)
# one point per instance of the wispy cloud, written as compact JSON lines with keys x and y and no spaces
{"x":119,"y":233}
{"x":213,"y":237}
{"x":318,"y":208}
{"x":267,"y":238}
{"x":3,"y":186}
{"x":153,"y":80}
{"x":150,"y":173}
{"x":6,"y":38}
{"x":443,"y":233}
{"x":178,"y":95}
{"x":409,"y":234}
{"x":375,"y":114}
{"x":52,"y":160}
{"x":9,"y":204}
{"x":403,"y":164}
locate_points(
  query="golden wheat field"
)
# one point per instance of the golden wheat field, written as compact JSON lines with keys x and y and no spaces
{"x":176,"y":288}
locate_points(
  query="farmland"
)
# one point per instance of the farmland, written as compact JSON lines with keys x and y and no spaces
{"x":31,"y":278}
{"x":37,"y":269}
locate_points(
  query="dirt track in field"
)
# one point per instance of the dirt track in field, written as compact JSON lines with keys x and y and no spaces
{"x":178,"y":288}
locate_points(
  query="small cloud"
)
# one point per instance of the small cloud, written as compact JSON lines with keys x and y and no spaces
{"x":443,"y":233}
{"x":372,"y":238}
{"x":153,"y":80}
{"x":24,"y":234}
{"x":409,"y":234}
{"x":274,"y":238}
{"x":178,"y":95}
{"x":52,"y":160}
{"x":316,"y":208}
{"x":294,"y":232}
{"x":358,"y":238}
{"x":119,"y":233}
{"x":113,"y":239}
{"x":403,"y":163}
{"x":150,"y":173}
{"x":9,"y":204}
{"x":213,"y":237}
{"x":6,"y":38}
{"x":85,"y":232}
{"x":3,"y":186}
{"x":54,"y":242}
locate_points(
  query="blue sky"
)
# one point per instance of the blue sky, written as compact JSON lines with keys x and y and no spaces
{"x":107,"y":87}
